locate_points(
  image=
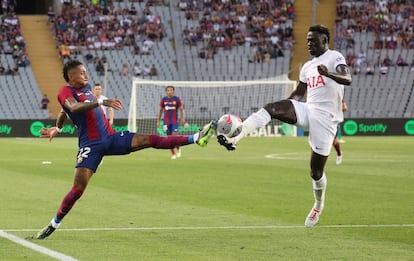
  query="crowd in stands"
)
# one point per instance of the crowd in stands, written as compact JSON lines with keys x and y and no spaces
{"x":137,"y":69}
{"x":11,"y":40}
{"x":85,"y":25}
{"x":262,"y":24}
{"x":391,"y":22}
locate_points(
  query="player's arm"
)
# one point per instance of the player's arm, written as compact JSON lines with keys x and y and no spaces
{"x":182,"y":119}
{"x":54,"y":131}
{"x":341,"y":76}
{"x":300,"y":92}
{"x":77,"y":107}
{"x":111,"y":115}
{"x":344,"y":106}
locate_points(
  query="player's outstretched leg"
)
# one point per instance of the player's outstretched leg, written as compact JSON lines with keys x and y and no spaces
{"x":206,"y":132}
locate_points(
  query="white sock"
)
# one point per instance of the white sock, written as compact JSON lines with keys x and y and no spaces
{"x":195,"y":137}
{"x":54,"y":224}
{"x":319,"y":188}
{"x":256,"y":120}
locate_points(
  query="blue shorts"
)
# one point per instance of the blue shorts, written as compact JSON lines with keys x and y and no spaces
{"x":90,"y":155}
{"x":172,"y":128}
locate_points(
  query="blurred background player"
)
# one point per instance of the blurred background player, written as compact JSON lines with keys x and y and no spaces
{"x":170,"y":105}
{"x":97,"y":138}
{"x":338,"y":138}
{"x":109,"y":112}
{"x":339,"y":134}
{"x":322,"y":80}
{"x":44,"y":102}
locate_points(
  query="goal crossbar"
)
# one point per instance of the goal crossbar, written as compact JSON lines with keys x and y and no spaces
{"x":203,"y":100}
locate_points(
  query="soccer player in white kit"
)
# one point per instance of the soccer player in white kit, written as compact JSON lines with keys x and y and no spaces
{"x":322,"y":81}
{"x":109,"y":112}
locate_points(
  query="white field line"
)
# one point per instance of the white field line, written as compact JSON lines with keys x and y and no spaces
{"x":40,"y":249}
{"x":218,"y":227}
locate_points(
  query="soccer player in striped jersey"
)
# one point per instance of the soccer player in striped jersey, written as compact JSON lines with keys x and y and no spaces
{"x":322,"y":79}
{"x":171,"y":105}
{"x":96,"y":136}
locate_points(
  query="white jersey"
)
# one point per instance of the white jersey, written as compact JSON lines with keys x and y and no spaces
{"x":323,"y":93}
{"x":100,"y":99}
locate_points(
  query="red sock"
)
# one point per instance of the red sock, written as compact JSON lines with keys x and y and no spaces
{"x":68,"y":202}
{"x":169,"y":142}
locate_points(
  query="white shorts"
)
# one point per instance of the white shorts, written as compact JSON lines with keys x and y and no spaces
{"x":322,"y":128}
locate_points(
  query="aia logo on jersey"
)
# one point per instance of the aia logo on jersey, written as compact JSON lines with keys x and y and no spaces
{"x":315,"y":81}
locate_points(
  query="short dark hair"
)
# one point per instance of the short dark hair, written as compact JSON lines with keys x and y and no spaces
{"x":72,"y":64}
{"x":321,"y":29}
{"x":170,"y":86}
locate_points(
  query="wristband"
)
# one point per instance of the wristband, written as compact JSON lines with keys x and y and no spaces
{"x":100,"y":103}
{"x":59,"y":130}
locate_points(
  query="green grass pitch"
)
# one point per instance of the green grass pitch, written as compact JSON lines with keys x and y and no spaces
{"x":212,"y":204}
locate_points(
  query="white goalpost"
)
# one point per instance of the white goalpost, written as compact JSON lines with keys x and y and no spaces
{"x":207,"y":100}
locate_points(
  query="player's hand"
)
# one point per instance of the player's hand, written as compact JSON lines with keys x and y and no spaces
{"x":114,"y":103}
{"x":323,"y":70}
{"x":49,"y":133}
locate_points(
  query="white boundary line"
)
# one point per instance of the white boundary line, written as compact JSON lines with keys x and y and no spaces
{"x":219,"y":227}
{"x":64,"y":257}
{"x":35,"y":247}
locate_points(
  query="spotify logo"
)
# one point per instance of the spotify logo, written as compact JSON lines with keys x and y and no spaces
{"x":350,"y":127}
{"x":409,"y":127}
{"x":35,"y":128}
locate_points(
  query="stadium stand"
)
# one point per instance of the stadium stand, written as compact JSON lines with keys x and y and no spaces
{"x":116,"y":33}
{"x":226,"y":38}
{"x":21,"y":96}
{"x":370,"y":33}
{"x":173,"y":59}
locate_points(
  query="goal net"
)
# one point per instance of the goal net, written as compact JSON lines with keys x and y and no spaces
{"x":207,"y":100}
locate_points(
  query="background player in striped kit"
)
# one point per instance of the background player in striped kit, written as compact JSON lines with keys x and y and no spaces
{"x":171,"y":105}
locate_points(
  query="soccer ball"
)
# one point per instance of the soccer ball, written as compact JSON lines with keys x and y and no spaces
{"x":229,"y":125}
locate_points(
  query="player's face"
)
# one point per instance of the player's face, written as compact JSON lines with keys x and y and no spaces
{"x":316,"y":43}
{"x":170,"y":92}
{"x":97,"y":90}
{"x":78,"y":77}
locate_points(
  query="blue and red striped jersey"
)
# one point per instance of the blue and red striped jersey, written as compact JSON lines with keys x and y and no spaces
{"x":91,"y":125}
{"x":170,"y":106}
